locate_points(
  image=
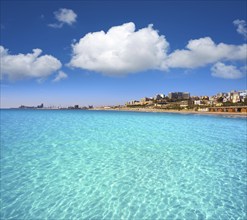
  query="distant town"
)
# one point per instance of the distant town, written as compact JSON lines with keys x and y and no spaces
{"x":233,"y":101}
{"x":183,"y":100}
{"x":75,"y":107}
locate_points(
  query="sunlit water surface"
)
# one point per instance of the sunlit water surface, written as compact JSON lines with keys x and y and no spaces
{"x":122,"y":165}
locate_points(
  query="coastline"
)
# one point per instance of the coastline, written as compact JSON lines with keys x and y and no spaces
{"x":153,"y":110}
{"x":225,"y":114}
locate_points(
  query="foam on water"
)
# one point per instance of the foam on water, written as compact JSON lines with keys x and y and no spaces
{"x":122,"y":165}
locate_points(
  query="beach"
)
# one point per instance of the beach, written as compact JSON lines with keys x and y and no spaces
{"x":226,"y":114}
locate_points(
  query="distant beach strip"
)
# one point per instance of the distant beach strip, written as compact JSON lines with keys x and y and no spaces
{"x":222,"y":113}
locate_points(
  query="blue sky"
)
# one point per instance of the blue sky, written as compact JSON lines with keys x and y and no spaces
{"x":130,"y":61}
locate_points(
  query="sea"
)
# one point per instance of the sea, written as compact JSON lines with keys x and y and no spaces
{"x":75,"y":164}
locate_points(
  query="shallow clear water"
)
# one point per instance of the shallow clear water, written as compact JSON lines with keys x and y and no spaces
{"x":122,"y":165}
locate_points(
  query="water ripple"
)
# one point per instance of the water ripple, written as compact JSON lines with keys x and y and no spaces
{"x":122,"y":165}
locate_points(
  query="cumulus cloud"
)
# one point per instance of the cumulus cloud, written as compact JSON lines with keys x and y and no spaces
{"x":30,"y":65}
{"x":67,"y":16}
{"x":61,"y":75}
{"x":241,"y":27}
{"x":227,"y":71}
{"x":203,"y":51}
{"x":121,"y":50}
{"x":64,"y":16}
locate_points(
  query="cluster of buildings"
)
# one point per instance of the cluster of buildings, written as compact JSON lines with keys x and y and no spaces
{"x":177,"y":101}
{"x":32,"y":107}
{"x":75,"y":107}
{"x":78,"y":107}
{"x":161,"y":98}
{"x":222,"y":99}
{"x":230,"y":97}
{"x":184,"y":100}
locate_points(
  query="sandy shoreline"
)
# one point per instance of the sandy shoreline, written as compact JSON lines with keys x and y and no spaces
{"x":226,"y":114}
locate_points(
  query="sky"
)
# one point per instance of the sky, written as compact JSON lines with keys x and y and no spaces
{"x":66,"y":53}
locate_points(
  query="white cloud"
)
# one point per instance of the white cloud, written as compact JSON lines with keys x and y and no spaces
{"x":55,"y":25}
{"x":203,"y":51}
{"x":61,"y":75}
{"x":241,"y":27}
{"x":64,"y":16}
{"x":121,"y":50}
{"x":67,"y":16}
{"x":30,"y":65}
{"x":227,"y":71}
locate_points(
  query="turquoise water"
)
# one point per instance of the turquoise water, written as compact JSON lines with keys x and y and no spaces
{"x":122,"y":165}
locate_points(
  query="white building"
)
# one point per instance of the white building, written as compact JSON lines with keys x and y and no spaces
{"x":198,"y":102}
{"x":243,"y":95}
{"x":235,"y":97}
